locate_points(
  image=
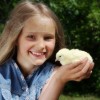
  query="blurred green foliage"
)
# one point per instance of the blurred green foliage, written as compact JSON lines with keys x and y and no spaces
{"x":81,"y":23}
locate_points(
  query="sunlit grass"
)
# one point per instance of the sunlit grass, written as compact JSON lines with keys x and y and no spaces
{"x":62,"y":97}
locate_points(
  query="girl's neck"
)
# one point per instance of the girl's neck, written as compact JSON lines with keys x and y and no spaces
{"x":25,"y":68}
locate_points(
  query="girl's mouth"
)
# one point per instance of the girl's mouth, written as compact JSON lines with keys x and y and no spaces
{"x":38,"y":54}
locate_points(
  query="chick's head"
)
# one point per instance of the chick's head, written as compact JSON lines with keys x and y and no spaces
{"x":62,"y":55}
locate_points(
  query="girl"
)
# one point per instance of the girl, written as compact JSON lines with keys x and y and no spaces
{"x":28,"y":44}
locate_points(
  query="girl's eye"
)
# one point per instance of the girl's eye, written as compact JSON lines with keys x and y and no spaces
{"x":31,"y":37}
{"x":48,"y":38}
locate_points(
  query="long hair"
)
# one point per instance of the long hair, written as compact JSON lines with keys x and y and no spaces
{"x":20,"y":14}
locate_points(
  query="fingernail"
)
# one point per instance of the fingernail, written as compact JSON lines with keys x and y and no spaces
{"x":91,"y":72}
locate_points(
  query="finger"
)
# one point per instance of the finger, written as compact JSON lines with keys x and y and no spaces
{"x":80,"y":67}
{"x":88,"y":74}
{"x":91,"y":67}
{"x":86,"y":67}
{"x":83,"y":77}
{"x":82,"y":74}
{"x":73,"y":65}
{"x":78,"y":63}
{"x":78,"y":79}
{"x":81,"y":71}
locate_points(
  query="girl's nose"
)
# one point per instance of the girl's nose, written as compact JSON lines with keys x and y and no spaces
{"x":41,"y":44}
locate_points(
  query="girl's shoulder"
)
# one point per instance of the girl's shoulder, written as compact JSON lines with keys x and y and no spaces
{"x":5,"y":69}
{"x":6,"y":63}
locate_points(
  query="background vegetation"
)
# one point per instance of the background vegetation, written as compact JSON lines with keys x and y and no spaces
{"x":81,"y":23}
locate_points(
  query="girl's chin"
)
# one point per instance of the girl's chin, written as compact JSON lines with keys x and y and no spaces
{"x":38,"y":63}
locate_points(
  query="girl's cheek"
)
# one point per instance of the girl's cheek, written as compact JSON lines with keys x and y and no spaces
{"x":51,"y":45}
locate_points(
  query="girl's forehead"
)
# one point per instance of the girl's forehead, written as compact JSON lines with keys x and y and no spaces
{"x":40,"y":19}
{"x":40,"y":23}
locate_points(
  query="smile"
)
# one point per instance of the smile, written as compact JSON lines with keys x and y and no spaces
{"x":38,"y":54}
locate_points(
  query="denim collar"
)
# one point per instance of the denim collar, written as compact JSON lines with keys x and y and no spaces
{"x":10,"y":70}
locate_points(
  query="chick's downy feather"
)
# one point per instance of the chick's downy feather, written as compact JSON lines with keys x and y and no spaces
{"x":66,"y":56}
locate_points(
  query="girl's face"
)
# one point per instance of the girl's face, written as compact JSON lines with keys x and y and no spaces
{"x":36,"y":42}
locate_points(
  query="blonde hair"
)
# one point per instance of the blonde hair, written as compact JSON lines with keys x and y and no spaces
{"x":22,"y":12}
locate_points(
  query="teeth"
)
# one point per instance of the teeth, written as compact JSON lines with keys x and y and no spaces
{"x":38,"y":54}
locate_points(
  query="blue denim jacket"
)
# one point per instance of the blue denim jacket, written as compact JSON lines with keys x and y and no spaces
{"x":13,"y":85}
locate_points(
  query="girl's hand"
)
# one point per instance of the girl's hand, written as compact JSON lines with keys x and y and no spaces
{"x":74,"y":71}
{"x":70,"y":72}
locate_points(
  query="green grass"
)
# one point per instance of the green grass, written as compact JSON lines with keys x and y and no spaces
{"x":62,"y":97}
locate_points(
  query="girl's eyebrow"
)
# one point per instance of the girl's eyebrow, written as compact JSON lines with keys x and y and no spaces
{"x":31,"y":32}
{"x":45,"y":33}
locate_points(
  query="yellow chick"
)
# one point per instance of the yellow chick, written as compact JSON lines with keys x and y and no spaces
{"x":66,"y":56}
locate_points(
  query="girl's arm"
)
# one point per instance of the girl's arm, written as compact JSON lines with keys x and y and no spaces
{"x":52,"y":91}
{"x":71,"y":72}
